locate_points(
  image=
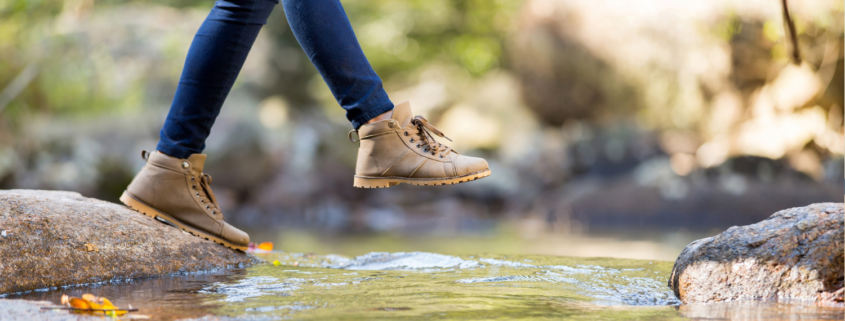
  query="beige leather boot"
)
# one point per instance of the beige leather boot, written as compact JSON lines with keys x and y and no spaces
{"x":177,"y":191}
{"x":403,"y":150}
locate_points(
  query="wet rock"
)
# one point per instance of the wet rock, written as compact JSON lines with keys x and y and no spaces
{"x":52,"y":239}
{"x":796,"y":253}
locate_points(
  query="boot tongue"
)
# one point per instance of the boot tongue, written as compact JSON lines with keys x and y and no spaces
{"x":402,"y":113}
{"x":197,"y":162}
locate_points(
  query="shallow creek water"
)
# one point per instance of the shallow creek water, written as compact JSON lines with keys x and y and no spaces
{"x":422,"y":285}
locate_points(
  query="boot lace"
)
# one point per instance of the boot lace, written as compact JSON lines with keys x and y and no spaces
{"x":423,"y":133}
{"x":205,"y":194}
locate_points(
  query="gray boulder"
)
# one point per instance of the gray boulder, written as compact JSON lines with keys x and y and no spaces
{"x":796,"y":253}
{"x":52,"y":239}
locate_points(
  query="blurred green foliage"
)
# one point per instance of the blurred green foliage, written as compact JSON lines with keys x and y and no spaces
{"x":402,"y":35}
{"x":76,"y":71}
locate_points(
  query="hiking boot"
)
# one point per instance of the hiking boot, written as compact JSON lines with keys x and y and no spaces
{"x":177,"y":191}
{"x":402,"y":149}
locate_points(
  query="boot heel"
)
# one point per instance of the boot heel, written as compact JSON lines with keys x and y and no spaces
{"x":372,"y":182}
{"x":147,"y":210}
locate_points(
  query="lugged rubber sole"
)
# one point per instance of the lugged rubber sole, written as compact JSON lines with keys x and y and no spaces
{"x":150,"y":211}
{"x":385,"y":182}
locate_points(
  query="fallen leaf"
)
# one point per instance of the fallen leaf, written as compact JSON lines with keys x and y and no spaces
{"x":276,"y":263}
{"x":108,"y":305}
{"x":79,"y":303}
{"x":90,"y":304}
{"x":91,"y":247}
{"x":92,"y":301}
{"x":267,"y":246}
{"x":264,"y":247}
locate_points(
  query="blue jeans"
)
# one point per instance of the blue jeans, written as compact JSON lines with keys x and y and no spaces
{"x":220,"y":48}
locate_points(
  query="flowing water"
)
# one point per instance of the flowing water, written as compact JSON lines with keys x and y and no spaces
{"x":421,"y":285}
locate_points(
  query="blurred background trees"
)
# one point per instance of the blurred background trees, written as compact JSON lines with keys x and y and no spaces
{"x":595,"y":115}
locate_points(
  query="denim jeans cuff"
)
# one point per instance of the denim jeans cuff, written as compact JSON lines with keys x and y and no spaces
{"x":172,"y":151}
{"x":361,"y":120}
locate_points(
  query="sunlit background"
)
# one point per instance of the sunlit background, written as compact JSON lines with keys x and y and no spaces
{"x":613,"y":127}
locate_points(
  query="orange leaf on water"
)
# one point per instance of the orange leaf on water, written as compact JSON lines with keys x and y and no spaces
{"x":266,"y":246}
{"x":89,"y":303}
{"x":78,"y":303}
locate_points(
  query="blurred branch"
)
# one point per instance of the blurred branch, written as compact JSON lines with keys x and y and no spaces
{"x":17,"y":85}
{"x":793,"y":37}
{"x":830,"y":59}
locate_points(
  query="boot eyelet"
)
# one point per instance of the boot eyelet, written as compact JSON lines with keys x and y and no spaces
{"x":194,"y":187}
{"x":441,"y":156}
{"x":185,"y":165}
{"x":412,"y":140}
{"x":202,"y":201}
{"x":206,"y":207}
{"x":193,"y":179}
{"x":406,"y":133}
{"x":418,"y":145}
{"x":432,"y":153}
{"x":391,"y":124}
{"x":198,"y":194}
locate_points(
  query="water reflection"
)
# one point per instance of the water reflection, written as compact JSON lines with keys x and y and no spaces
{"x":165,"y":298}
{"x":763,"y":310}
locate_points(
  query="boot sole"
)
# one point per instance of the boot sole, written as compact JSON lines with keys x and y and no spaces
{"x":150,"y":211}
{"x":385,"y":182}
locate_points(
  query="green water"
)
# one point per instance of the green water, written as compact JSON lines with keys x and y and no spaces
{"x":434,"y":286}
{"x":544,"y":277}
{"x":420,"y":285}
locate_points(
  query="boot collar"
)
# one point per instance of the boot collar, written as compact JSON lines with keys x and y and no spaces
{"x":401,"y":118}
{"x":402,"y":114}
{"x":193,"y":163}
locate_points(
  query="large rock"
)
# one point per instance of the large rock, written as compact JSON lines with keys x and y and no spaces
{"x":50,"y":239}
{"x":796,"y":253}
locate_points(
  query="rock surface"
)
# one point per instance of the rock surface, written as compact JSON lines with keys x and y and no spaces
{"x":22,"y":310}
{"x":796,"y":253}
{"x":52,"y":239}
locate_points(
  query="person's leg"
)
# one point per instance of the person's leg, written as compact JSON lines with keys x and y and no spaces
{"x":388,"y":134}
{"x":214,"y":60}
{"x":172,"y":185}
{"x":326,"y":36}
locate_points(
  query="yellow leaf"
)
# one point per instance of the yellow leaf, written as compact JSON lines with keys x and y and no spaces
{"x":88,"y":302}
{"x":267,"y":246}
{"x":276,"y":263}
{"x":108,"y":305}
